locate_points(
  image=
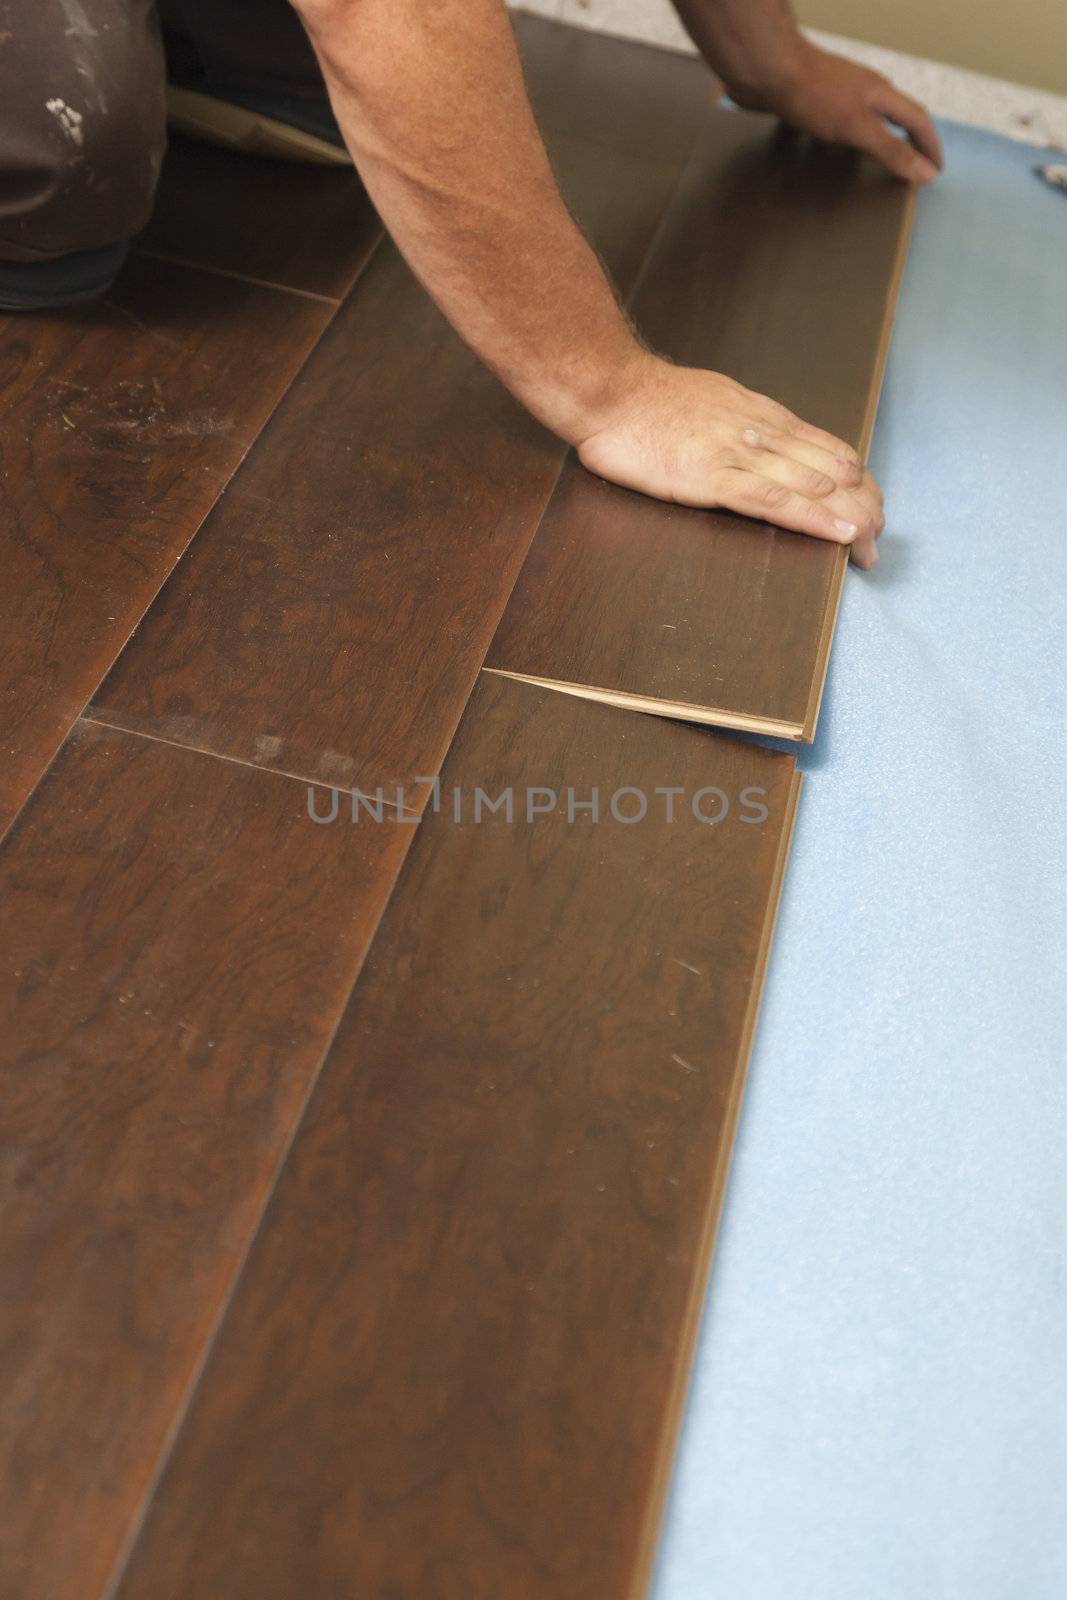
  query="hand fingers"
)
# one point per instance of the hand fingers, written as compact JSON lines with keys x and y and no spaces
{"x":769,"y":415}
{"x":795,"y":475}
{"x":770,"y":501}
{"x":817,"y":449}
{"x":914,"y":119}
{"x":900,"y":157}
{"x":861,"y":505}
{"x":823,"y":451}
{"x":864,"y":554}
{"x":801,"y":449}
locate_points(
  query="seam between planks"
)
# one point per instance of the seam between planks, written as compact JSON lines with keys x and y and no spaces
{"x":245,"y":277}
{"x":240,"y":761}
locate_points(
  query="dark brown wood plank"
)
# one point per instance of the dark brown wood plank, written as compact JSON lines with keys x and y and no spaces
{"x":612,"y":92}
{"x":301,"y":226}
{"x":121,"y":425}
{"x":454,"y":1363}
{"x":779,"y":265}
{"x":177,"y":944}
{"x":336,"y":608}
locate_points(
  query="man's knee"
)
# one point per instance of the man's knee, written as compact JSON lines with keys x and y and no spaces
{"x":83,"y":130}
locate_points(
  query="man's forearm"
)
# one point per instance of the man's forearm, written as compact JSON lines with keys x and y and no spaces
{"x":433,"y":106}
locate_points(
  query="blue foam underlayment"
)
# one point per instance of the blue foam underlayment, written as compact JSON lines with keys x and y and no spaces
{"x":879,"y":1402}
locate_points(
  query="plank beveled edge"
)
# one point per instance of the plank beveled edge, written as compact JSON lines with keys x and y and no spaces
{"x":835,"y":588}
{"x":892,"y":297}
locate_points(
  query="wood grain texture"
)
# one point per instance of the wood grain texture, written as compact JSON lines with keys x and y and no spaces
{"x":779,"y":265}
{"x":454,"y":1363}
{"x":121,"y":425}
{"x":177,"y":944}
{"x":303,"y":227}
{"x":336,"y":608}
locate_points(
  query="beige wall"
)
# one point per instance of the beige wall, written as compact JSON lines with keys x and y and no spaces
{"x":1024,"y":41}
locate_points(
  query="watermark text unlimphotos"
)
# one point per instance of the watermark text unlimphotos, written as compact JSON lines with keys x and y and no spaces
{"x":627,"y":805}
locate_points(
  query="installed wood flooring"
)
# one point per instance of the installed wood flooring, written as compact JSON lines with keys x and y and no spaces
{"x":362,"y":1172}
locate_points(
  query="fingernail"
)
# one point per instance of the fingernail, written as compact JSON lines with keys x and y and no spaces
{"x":849,"y":529}
{"x":923,"y":171}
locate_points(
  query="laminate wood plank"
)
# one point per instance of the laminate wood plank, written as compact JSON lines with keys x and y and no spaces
{"x":300,"y":226}
{"x":454,"y":1363}
{"x":336,"y":608}
{"x":121,"y":425}
{"x":779,"y":264}
{"x":612,"y":92}
{"x":178,"y":942}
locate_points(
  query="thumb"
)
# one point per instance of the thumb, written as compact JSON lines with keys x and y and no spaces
{"x":900,"y":157}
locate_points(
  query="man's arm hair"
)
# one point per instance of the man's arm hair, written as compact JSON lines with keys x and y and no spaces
{"x":432,"y":102}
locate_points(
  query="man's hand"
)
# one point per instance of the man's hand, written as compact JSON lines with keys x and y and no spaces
{"x":834,"y":99}
{"x":766,"y":64}
{"x":700,"y":439}
{"x":432,"y":104}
